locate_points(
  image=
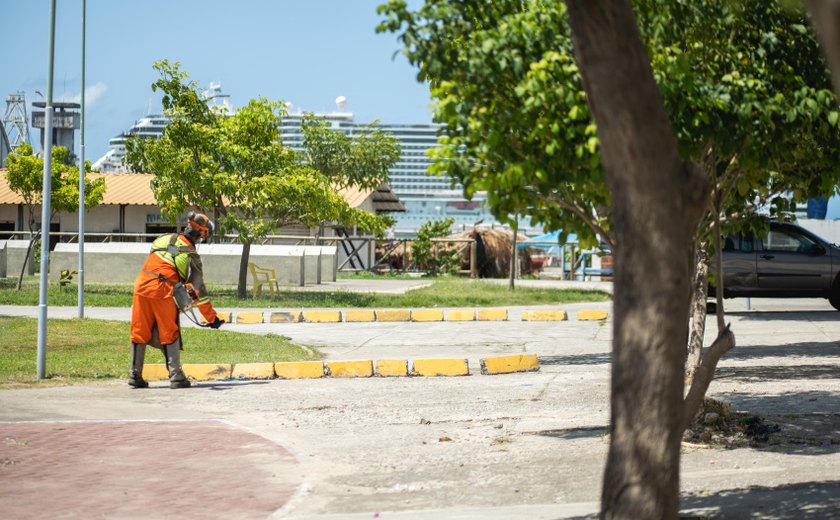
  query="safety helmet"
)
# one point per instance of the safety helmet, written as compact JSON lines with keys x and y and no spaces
{"x":198,"y":226}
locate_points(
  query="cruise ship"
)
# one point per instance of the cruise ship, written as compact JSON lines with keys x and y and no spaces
{"x":151,"y":127}
{"x":425,"y":197}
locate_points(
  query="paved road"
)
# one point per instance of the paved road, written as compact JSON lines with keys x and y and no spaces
{"x":516,"y":446}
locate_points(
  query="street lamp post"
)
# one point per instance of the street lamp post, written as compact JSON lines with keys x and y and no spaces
{"x":81,"y":298}
{"x":45,"y":205}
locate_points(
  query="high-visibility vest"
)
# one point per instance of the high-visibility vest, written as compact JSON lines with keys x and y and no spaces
{"x":175,"y":250}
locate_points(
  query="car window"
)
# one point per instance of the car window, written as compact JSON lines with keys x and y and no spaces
{"x":747,"y":244}
{"x":787,"y":241}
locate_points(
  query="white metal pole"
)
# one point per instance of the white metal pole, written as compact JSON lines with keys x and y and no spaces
{"x":45,"y":205}
{"x":81,"y":297}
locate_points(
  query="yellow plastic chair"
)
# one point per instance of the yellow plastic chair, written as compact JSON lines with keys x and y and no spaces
{"x":263,"y":276}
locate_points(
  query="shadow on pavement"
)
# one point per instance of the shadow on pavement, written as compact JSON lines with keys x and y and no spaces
{"x":577,"y":359}
{"x":581,"y":432}
{"x":810,"y":348}
{"x":827,"y":315}
{"x":805,"y":500}
{"x":228,"y":386}
{"x":775,"y":372}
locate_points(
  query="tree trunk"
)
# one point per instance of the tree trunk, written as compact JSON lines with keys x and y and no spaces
{"x":698,"y":315}
{"x":825,"y":17}
{"x":29,"y":250}
{"x":657,"y":202}
{"x":242,"y":286}
{"x":513,"y":259}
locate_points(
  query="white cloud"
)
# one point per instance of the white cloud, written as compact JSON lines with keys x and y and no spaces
{"x":92,"y":94}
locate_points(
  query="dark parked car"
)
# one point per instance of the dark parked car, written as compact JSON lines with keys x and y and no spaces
{"x":790,"y":262}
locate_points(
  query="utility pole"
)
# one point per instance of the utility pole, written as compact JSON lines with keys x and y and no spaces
{"x":81,"y":297}
{"x":45,"y":204}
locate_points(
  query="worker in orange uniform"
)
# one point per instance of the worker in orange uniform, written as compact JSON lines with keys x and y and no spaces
{"x":154,"y":313}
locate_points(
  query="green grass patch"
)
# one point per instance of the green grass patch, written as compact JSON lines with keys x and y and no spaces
{"x":86,"y":349}
{"x":445,"y":292}
{"x":385,"y":275}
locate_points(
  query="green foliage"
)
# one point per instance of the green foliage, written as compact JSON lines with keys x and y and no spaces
{"x":444,"y":291}
{"x":509,"y":94}
{"x":362,"y":160}
{"x":25,"y":177}
{"x":66,"y":277}
{"x":435,"y":258}
{"x":233,"y":166}
{"x":745,"y":86}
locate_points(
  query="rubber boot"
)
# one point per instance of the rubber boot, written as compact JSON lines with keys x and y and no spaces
{"x":177,"y":378}
{"x":138,"y":355}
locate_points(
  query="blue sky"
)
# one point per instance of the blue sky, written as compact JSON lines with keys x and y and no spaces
{"x":307,"y":52}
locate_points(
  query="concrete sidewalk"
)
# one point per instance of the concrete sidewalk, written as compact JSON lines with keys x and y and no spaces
{"x":529,"y":445}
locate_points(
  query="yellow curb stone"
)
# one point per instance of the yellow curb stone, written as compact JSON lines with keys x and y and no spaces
{"x":155,"y":372}
{"x":543,"y":315}
{"x":391,"y":367}
{"x":460,"y":315}
{"x":206,"y":371}
{"x":441,"y":367}
{"x":509,"y":364}
{"x":248,"y":317}
{"x":592,"y":315}
{"x":299,"y":369}
{"x":393,"y":315}
{"x":357,"y":315}
{"x":492,"y":315}
{"x":426,"y":315}
{"x":363,"y":368}
{"x":253,"y":371}
{"x":285,"y":317}
{"x":322,"y":316}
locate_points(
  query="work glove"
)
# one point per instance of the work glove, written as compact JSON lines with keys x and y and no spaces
{"x":216,"y":323}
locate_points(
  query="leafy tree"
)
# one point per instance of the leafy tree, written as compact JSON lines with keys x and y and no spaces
{"x":516,"y":121}
{"x":360,"y":160}
{"x":431,"y":256}
{"x":749,"y":99}
{"x":235,"y":167}
{"x":746,"y":104}
{"x":745,"y":88}
{"x":25,"y":177}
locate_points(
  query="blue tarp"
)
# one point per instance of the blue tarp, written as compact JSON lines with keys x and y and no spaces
{"x":549,"y":239}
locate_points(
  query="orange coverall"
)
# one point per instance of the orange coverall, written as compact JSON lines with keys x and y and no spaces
{"x":152,"y":304}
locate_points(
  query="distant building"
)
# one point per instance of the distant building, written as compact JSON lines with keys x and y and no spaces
{"x":129,"y":206}
{"x":425,"y":197}
{"x":65,"y":122}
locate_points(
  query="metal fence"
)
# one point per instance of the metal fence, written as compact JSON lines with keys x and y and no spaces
{"x":355,"y":253}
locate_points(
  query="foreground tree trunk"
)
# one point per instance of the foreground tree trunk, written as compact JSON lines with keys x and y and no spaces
{"x":657,"y":202}
{"x":825,"y":17}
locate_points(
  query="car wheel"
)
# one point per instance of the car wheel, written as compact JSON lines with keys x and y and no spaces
{"x":834,"y":297}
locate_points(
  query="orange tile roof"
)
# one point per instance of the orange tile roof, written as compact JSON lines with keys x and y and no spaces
{"x":135,"y":189}
{"x":120,"y":188}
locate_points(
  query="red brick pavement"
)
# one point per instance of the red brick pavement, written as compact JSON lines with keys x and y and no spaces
{"x":146,"y":470}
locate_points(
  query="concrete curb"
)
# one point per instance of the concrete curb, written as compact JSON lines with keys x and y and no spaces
{"x":433,"y":367}
{"x":398,"y":315}
{"x":509,"y":364}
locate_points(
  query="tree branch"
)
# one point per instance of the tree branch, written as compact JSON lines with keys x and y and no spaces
{"x":587,"y":218}
{"x":705,"y":373}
